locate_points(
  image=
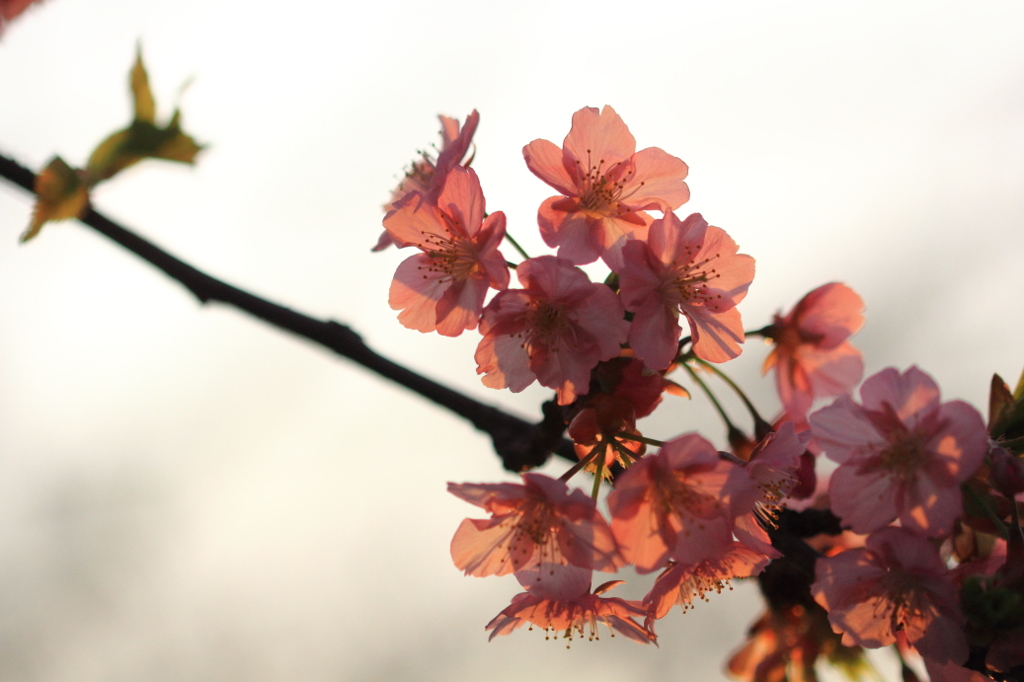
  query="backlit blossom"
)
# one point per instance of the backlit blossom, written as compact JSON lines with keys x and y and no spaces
{"x":605,"y":187}
{"x":443,"y":288}
{"x":9,"y":9}
{"x":555,"y":330}
{"x":538,"y":523}
{"x":757,"y":489}
{"x":786,"y":642}
{"x":681,"y":583}
{"x":896,"y":582}
{"x":427,"y":175}
{"x":668,"y":506}
{"x":597,"y":426}
{"x":572,"y":610}
{"x":902,"y":454}
{"x":686,"y":267}
{"x":811,"y":356}
{"x":626,"y":377}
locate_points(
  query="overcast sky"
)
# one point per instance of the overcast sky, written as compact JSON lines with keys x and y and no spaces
{"x":188,"y":494}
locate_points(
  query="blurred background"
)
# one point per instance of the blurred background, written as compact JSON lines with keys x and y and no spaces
{"x":188,"y":494}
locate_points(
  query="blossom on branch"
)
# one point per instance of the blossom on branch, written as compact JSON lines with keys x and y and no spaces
{"x":538,"y":523}
{"x":686,"y":267}
{"x":443,"y":288}
{"x":554,"y":330}
{"x":668,"y":506}
{"x":597,"y":427}
{"x":896,"y":582}
{"x":681,"y":583}
{"x":427,"y":175}
{"x":605,"y":187}
{"x":572,"y":610}
{"x":10,"y":9}
{"x":902,"y":454}
{"x":786,"y":642}
{"x":811,"y":356}
{"x":757,"y":489}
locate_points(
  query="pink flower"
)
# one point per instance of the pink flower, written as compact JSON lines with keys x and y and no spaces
{"x":626,"y":377}
{"x":538,"y":523}
{"x":812,"y":357}
{"x":775,"y":463}
{"x":756,"y":489}
{"x":443,"y":288}
{"x":605,"y":187}
{"x":427,"y":175}
{"x":951,"y":672}
{"x":554,"y":330}
{"x":897,"y":582}
{"x":686,"y":267}
{"x":680,"y":583}
{"x":902,"y":455}
{"x":573,"y":610}
{"x":784,"y":645}
{"x":9,"y":9}
{"x":597,"y":425}
{"x":668,"y":506}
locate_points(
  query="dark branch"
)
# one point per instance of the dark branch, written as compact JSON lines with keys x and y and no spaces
{"x":520,"y":444}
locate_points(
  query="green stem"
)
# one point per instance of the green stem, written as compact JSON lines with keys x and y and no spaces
{"x":578,"y":465}
{"x":996,"y":521}
{"x":625,"y":452}
{"x":639,"y":438}
{"x":598,"y":474}
{"x":1012,"y":444}
{"x":515,"y":244}
{"x":758,"y":420}
{"x":711,"y":397}
{"x":763,"y":331}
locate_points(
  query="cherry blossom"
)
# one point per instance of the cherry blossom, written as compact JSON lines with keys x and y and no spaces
{"x":444,"y":287}
{"x":896,"y":582}
{"x":427,"y":175}
{"x":572,"y":610}
{"x":680,"y":583}
{"x":756,"y":490}
{"x":536,"y":523}
{"x":668,"y":506}
{"x":597,"y":426}
{"x":902,"y":454}
{"x":686,"y":267}
{"x":812,"y":357}
{"x":605,"y":188}
{"x":951,"y":672}
{"x":626,"y":377}
{"x":9,"y":9}
{"x":554,"y":330}
{"x":786,"y":642}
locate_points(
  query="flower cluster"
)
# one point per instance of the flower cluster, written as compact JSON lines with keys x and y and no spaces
{"x":914,"y":534}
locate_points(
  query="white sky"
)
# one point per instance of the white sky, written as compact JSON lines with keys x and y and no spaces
{"x":188,"y":494}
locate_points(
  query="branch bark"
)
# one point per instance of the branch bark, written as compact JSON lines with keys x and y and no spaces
{"x":520,"y":444}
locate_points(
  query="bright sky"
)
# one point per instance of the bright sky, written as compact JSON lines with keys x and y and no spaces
{"x":186,"y":493}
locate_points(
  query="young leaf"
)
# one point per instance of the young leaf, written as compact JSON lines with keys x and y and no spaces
{"x":143,"y":138}
{"x":60,"y":194}
{"x":1000,"y":401}
{"x":145,"y":107}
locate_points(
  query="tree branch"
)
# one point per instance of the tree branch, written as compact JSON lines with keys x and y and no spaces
{"x":520,"y":444}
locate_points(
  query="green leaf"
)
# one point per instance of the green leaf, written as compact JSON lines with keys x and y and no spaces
{"x":143,"y":138}
{"x":1018,"y":392}
{"x":60,"y":194}
{"x":145,"y":107}
{"x":140,"y":140}
{"x":1000,"y":401}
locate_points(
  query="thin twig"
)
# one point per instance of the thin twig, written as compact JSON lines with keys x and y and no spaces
{"x":520,"y":444}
